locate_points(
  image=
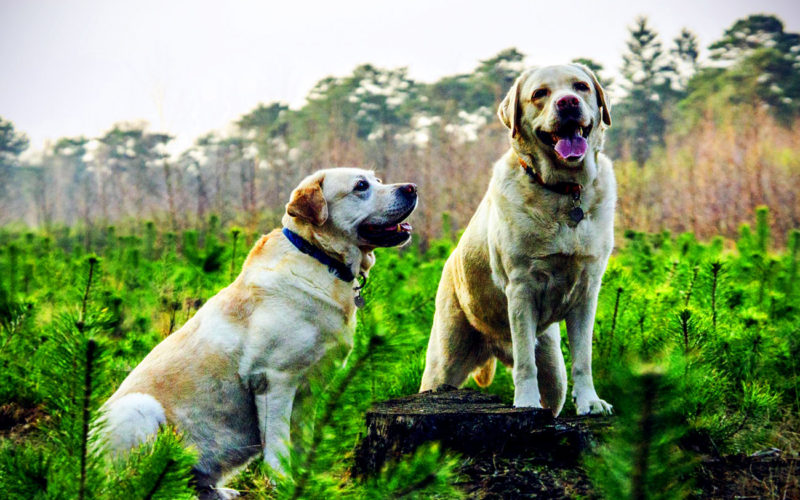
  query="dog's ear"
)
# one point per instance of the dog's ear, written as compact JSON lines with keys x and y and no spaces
{"x":601,"y":95}
{"x":510,"y":110}
{"x":307,"y":201}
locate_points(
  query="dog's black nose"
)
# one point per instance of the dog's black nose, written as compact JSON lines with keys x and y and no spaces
{"x":408,"y":189}
{"x":567,"y":102}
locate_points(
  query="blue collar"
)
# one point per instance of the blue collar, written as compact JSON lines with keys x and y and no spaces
{"x":337,"y":268}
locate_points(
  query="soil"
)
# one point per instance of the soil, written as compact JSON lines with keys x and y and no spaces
{"x":499,"y":477}
{"x":18,"y":420}
{"x":760,"y":476}
{"x":735,"y":476}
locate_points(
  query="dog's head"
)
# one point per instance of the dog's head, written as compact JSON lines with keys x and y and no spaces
{"x":556,"y":113}
{"x":352,"y":206}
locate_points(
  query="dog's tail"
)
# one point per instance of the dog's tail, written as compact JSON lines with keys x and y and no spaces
{"x":129,"y":421}
{"x":484,"y":374}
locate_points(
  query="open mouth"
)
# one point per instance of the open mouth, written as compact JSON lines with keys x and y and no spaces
{"x":388,"y":234}
{"x":568,"y":141}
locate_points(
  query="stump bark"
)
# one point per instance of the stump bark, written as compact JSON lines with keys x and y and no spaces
{"x":473,"y":424}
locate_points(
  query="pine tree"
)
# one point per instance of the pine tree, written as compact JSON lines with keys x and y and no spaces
{"x":750,"y":34}
{"x":762,"y":63}
{"x":641,"y":458}
{"x":646,"y":71}
{"x":70,"y":155}
{"x":12,"y":144}
{"x":160,"y":468}
{"x":684,"y":54}
{"x":498,"y":73}
{"x":69,"y":371}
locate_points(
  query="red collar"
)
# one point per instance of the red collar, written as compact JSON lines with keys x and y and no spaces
{"x":572,"y":188}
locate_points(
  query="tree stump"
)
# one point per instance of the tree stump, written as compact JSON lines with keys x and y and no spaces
{"x":473,"y":424}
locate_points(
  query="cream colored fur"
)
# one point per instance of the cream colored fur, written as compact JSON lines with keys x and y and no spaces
{"x":227,"y":379}
{"x":522,"y":265}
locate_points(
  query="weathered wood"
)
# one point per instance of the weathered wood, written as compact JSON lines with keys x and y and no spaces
{"x":473,"y":424}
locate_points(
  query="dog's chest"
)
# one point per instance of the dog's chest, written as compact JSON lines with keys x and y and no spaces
{"x":297,"y":320}
{"x":560,"y":282}
{"x":586,"y":239}
{"x":571,"y":258}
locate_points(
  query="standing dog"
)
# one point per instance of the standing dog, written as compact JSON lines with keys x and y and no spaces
{"x":535,"y":250}
{"x":227,"y":378}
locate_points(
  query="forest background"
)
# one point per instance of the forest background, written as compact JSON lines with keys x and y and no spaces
{"x":697,"y":146}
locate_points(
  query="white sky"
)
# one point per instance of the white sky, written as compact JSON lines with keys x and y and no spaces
{"x":76,"y":67}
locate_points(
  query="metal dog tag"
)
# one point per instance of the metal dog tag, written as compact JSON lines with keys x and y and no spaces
{"x":576,"y":214}
{"x":359,"y":301}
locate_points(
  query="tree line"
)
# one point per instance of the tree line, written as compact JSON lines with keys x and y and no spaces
{"x":699,"y":140}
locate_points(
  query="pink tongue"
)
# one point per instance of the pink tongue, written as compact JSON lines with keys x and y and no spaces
{"x":569,"y":147}
{"x":405,"y":226}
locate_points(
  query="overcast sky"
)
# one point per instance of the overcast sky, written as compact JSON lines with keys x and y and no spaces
{"x":72,"y":68}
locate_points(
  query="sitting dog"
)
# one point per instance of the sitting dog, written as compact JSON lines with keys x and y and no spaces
{"x":535,"y":250}
{"x":227,"y":379}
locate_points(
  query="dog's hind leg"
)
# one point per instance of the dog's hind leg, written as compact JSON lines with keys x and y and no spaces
{"x":552,"y":372}
{"x":455,"y":348}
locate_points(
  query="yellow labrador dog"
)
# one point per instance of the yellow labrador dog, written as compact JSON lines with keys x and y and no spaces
{"x":227,"y":378}
{"x":535,"y":250}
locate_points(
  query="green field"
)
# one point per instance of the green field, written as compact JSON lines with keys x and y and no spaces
{"x":705,"y":333}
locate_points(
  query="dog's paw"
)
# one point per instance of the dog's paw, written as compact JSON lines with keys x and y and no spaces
{"x":527,"y":401}
{"x":593,"y":406}
{"x":527,"y":404}
{"x":227,"y":493}
{"x":274,"y":474}
{"x":209,"y":493}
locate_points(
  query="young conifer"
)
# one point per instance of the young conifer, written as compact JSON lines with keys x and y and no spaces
{"x":158,"y":469}
{"x":641,"y":459}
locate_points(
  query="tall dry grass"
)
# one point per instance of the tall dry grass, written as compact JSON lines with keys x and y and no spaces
{"x":707,"y":179}
{"x":710,"y":179}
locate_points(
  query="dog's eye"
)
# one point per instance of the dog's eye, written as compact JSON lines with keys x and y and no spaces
{"x":581,"y":86}
{"x":361,"y":186}
{"x":539,"y":93}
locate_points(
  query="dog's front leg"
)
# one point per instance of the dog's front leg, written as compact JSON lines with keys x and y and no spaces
{"x":523,"y":323}
{"x":274,"y":407}
{"x":580,"y":324}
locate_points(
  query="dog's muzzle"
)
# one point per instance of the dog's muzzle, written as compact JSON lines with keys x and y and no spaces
{"x":391,"y":230}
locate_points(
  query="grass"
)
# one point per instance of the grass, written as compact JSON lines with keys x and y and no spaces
{"x":718,"y":319}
